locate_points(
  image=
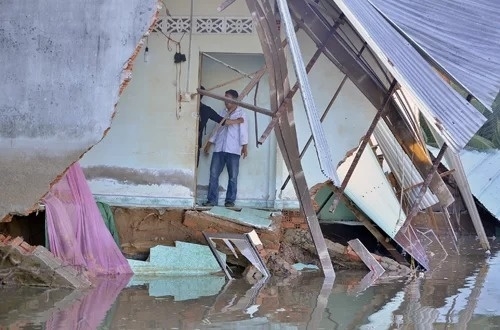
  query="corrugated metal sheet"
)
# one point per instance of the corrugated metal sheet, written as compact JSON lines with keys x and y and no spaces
{"x":401,"y":165}
{"x":462,"y":36}
{"x":452,"y":116}
{"x":453,"y":161}
{"x":318,"y":133}
{"x":483,"y":173}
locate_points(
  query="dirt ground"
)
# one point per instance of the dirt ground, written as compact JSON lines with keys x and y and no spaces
{"x":286,"y":242}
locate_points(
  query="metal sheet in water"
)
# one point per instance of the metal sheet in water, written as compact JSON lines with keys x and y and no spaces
{"x":411,"y":244}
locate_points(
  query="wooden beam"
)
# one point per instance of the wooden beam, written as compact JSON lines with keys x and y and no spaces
{"x":423,"y":189}
{"x":239,"y":103}
{"x":369,"y":225}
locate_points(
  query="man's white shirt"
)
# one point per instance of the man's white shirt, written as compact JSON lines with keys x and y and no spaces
{"x":231,"y":138}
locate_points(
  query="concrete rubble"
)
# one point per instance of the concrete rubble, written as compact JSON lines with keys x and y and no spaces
{"x":285,"y":243}
{"x":185,"y":259}
{"x":23,"y":264}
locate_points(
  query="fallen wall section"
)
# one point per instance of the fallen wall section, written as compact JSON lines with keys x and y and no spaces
{"x":23,"y":264}
{"x":66,"y":64}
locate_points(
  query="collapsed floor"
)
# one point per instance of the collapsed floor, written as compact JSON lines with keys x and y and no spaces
{"x":286,"y":241}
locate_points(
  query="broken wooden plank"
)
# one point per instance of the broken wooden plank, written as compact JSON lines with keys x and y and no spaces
{"x":366,"y":256}
{"x":368,"y":224}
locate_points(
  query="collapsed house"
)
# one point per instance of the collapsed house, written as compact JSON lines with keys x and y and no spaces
{"x":354,"y":79}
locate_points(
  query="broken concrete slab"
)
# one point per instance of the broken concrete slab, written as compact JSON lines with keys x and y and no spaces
{"x":248,"y":217}
{"x":181,"y":288}
{"x":183,"y":259}
{"x":23,"y":264}
{"x":301,"y":267}
{"x":61,"y":85}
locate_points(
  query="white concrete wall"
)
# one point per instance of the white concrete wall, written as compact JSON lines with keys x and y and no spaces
{"x":148,"y":157}
{"x":347,"y":120}
{"x":61,"y":70}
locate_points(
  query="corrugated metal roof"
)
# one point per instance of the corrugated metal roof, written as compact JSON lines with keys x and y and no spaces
{"x":402,"y":166}
{"x":453,"y":117}
{"x":483,"y":173}
{"x":462,"y":36}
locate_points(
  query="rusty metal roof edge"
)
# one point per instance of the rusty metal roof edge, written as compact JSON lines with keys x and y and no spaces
{"x":401,"y":165}
{"x":455,"y":119}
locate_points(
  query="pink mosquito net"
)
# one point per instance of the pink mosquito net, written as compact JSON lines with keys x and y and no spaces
{"x":89,"y":312}
{"x":76,"y":231}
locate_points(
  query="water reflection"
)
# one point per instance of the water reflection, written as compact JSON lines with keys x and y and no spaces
{"x":30,"y":308}
{"x":461,"y":293}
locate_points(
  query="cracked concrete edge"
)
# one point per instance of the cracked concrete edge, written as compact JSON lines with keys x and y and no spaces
{"x":126,"y":78}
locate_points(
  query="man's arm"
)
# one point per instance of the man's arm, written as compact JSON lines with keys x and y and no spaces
{"x":244,"y":136}
{"x":207,"y":147}
{"x":213,"y":115}
{"x":234,"y":121}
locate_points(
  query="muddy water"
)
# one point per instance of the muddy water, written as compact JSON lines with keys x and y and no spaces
{"x":462,"y":292}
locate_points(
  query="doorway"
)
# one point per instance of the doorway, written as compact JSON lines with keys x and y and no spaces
{"x":257,"y":176}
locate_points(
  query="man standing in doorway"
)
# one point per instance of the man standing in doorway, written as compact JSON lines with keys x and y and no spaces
{"x":207,"y":113}
{"x":231,"y":142}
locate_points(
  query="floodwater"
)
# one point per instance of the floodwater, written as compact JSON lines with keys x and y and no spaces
{"x":462,"y":292}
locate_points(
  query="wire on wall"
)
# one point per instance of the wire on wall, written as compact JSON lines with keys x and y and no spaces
{"x":179,"y":57}
{"x":189,"y":47}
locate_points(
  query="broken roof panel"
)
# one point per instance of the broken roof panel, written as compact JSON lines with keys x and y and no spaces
{"x":367,"y":184}
{"x":454,"y":118}
{"x":402,"y":166}
{"x":462,"y":37}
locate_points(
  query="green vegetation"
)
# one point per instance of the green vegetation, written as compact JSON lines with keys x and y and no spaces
{"x":490,"y":132}
{"x":488,"y":136}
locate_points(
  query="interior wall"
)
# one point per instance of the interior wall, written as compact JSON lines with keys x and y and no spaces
{"x":148,"y":157}
{"x":347,"y":121}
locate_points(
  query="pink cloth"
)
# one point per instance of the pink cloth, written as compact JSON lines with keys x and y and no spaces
{"x":77,"y":233}
{"x":89,"y":312}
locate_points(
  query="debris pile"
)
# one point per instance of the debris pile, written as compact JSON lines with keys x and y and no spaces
{"x":285,"y":242}
{"x":23,"y":264}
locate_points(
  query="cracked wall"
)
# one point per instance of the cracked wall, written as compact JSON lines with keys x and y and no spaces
{"x":64,"y":70}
